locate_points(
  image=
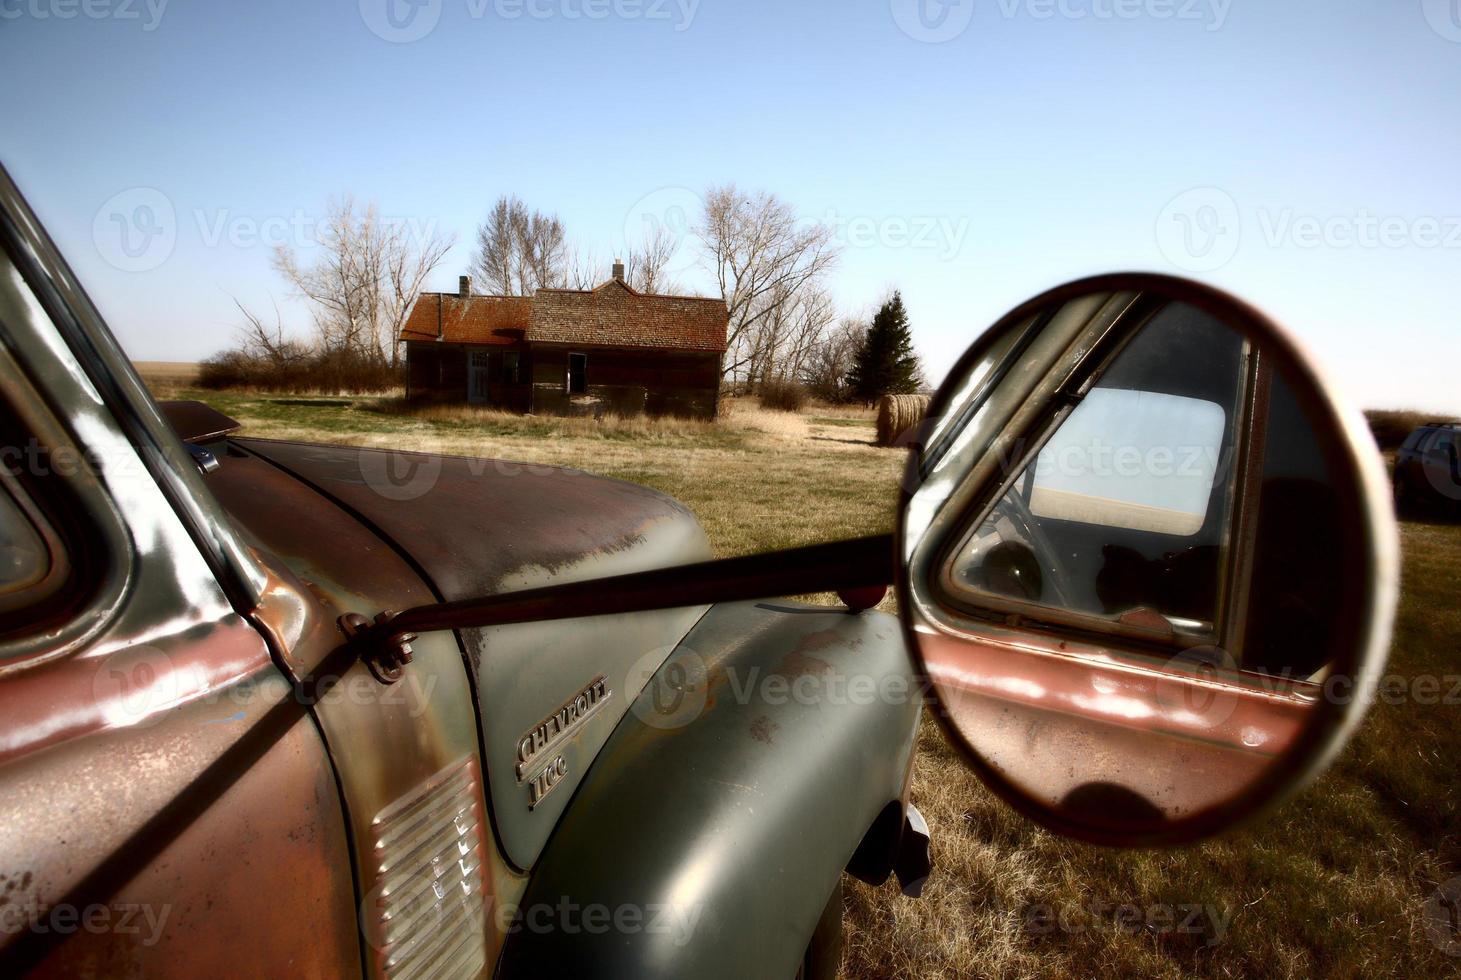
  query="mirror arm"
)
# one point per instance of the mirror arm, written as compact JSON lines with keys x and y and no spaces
{"x":858,"y":570}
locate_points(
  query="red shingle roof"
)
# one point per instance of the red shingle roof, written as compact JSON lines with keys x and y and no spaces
{"x":613,"y":315}
{"x":498,"y":320}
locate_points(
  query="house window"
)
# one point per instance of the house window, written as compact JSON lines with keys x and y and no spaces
{"x":577,"y":374}
{"x":511,"y":368}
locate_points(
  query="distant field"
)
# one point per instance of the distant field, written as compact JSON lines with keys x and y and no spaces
{"x":1333,"y":884}
{"x":167,"y":373}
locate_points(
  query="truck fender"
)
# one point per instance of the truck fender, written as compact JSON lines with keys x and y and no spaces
{"x":709,"y":833}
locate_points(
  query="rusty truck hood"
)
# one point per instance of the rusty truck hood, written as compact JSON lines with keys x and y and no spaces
{"x":474,"y":527}
{"x":478,"y":526}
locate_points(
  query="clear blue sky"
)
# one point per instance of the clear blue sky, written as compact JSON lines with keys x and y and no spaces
{"x":1303,"y":154}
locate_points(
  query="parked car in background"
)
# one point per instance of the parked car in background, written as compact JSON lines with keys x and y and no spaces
{"x":1428,"y":468}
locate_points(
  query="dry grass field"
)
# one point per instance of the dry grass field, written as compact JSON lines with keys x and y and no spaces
{"x":167,"y":374}
{"x":1333,"y":884}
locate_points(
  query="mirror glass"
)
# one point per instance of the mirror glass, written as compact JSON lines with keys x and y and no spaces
{"x":1145,"y":569}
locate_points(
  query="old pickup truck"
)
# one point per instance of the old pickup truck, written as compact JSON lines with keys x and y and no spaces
{"x":276,"y":708}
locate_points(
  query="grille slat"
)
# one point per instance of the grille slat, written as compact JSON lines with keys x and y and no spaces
{"x":453,"y":825}
{"x":444,"y":923}
{"x":428,"y":906}
{"x":425,"y":811}
{"x":450,"y":959}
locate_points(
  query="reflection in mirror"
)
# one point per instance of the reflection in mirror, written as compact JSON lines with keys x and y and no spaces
{"x":1135,"y":560}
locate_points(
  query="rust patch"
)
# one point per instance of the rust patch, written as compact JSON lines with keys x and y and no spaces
{"x":798,"y":664}
{"x":820,"y":640}
{"x":763,"y":729}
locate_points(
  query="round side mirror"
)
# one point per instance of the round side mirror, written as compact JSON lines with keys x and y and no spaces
{"x":1147,"y":563}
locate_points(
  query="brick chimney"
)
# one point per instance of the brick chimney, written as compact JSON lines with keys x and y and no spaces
{"x":618,"y":271}
{"x":464,"y":286}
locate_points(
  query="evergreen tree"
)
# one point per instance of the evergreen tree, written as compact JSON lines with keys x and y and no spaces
{"x":886,"y":364}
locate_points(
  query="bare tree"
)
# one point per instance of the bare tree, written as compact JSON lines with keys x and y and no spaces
{"x":644,"y":266}
{"x":827,"y":365}
{"x":541,"y":251}
{"x":519,"y":251}
{"x":581,"y":270}
{"x":764,"y":259}
{"x":495,"y":263}
{"x":262,"y":342}
{"x":365,"y":280}
{"x":806,"y":321}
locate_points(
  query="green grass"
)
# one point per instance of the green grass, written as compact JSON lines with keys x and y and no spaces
{"x":1331,"y":884}
{"x":850,"y":423}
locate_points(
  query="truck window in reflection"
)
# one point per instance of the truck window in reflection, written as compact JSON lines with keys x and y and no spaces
{"x":1128,"y":514}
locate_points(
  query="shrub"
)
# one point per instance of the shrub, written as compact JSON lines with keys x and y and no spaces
{"x":1391,"y":427}
{"x":781,"y":395}
{"x":316,"y":371}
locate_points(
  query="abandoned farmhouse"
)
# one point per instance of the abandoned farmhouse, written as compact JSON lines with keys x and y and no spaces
{"x":567,"y":351}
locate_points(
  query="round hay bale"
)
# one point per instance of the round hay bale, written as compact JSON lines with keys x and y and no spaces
{"x":897,"y":414}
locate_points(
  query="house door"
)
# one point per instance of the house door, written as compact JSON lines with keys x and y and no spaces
{"x":577,"y":374}
{"x":477,"y":377}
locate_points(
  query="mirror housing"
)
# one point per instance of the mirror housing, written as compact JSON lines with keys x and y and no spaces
{"x":1145,"y":655}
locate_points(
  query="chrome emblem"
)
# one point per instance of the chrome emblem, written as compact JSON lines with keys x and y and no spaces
{"x":539,"y":764}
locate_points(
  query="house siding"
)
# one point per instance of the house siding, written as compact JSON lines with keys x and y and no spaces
{"x":438,"y":372}
{"x":627,"y":382}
